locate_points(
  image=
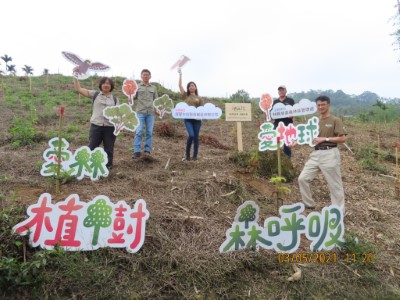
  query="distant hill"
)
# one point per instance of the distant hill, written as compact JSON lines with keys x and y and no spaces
{"x":340,"y":98}
{"x":368,"y":106}
{"x":347,"y":104}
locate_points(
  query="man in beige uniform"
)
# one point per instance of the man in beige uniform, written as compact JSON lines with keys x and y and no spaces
{"x":326,"y":157}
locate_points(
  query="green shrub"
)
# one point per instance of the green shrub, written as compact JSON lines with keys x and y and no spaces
{"x":367,"y":158}
{"x":357,"y":251}
{"x":73,"y":128}
{"x":22,"y":132}
{"x":264,"y":164}
{"x":14,"y":273}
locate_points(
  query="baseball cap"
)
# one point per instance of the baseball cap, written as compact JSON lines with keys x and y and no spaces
{"x":282,"y":87}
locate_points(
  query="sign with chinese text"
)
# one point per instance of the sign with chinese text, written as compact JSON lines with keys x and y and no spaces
{"x":74,"y":225}
{"x":49,"y":167}
{"x":84,"y":162}
{"x":301,"y":133}
{"x":239,"y":112}
{"x":304,"y":107}
{"x":325,"y":230}
{"x":184,"y":111}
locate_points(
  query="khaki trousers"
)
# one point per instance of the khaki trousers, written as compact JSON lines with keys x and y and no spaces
{"x":328,"y":162}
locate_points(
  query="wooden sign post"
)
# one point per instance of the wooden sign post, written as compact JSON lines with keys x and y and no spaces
{"x":239,"y":136}
{"x":59,"y":150}
{"x":397,"y":162}
{"x":238,"y":112}
{"x":397,"y":182}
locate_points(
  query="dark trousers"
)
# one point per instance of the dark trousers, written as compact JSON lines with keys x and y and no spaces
{"x":286,"y":150}
{"x":193,"y":129}
{"x":105,"y":134}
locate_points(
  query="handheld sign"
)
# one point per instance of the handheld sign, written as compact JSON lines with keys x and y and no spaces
{"x":184,"y":111}
{"x":129,"y":88}
{"x":122,"y":117}
{"x":85,"y":66}
{"x":181,"y":62}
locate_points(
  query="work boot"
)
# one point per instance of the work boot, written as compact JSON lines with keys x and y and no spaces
{"x":136,"y":155}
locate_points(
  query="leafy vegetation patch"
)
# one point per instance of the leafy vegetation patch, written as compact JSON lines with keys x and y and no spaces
{"x":264,"y":164}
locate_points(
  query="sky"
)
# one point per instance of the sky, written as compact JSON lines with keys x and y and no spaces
{"x":254,"y":45}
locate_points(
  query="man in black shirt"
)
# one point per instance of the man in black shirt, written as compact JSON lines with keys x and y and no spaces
{"x":287,"y":101}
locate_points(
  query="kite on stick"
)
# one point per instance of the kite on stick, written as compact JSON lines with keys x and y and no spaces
{"x":181,"y":62}
{"x":84,"y":65}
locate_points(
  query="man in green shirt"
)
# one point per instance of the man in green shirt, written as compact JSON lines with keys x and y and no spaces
{"x":326,"y":157}
{"x":146,"y":113}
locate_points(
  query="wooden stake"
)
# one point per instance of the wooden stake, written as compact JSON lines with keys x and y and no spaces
{"x":278,"y":184}
{"x":379,"y":148}
{"x":59,"y":151}
{"x":239,"y":136}
{"x":397,"y":182}
{"x":278,"y":152}
{"x":2,"y":91}
{"x":397,"y":161}
{"x":398,"y":126}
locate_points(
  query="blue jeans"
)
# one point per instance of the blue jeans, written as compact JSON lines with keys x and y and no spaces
{"x":137,"y":142}
{"x":193,"y":129}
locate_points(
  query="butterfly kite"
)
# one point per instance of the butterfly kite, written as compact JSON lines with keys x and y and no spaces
{"x":181,"y":62}
{"x":84,"y":65}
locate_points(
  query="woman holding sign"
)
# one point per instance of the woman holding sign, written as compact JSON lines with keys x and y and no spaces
{"x":101,"y":130}
{"x":192,"y":125}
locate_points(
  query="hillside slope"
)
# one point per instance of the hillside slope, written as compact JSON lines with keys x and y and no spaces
{"x":191,"y":205}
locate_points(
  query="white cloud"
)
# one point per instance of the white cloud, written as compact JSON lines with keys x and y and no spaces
{"x":304,"y":107}
{"x":184,"y":111}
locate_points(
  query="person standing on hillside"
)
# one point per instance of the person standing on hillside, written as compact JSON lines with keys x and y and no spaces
{"x":101,"y":130}
{"x":326,"y":157}
{"x":192,"y":125}
{"x":286,"y":101}
{"x":145,"y":110}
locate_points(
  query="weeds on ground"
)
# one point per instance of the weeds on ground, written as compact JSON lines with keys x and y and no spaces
{"x":367,"y":158}
{"x":358,"y":252}
{"x":263,"y":164}
{"x":22,"y":132}
{"x":280,"y":190}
